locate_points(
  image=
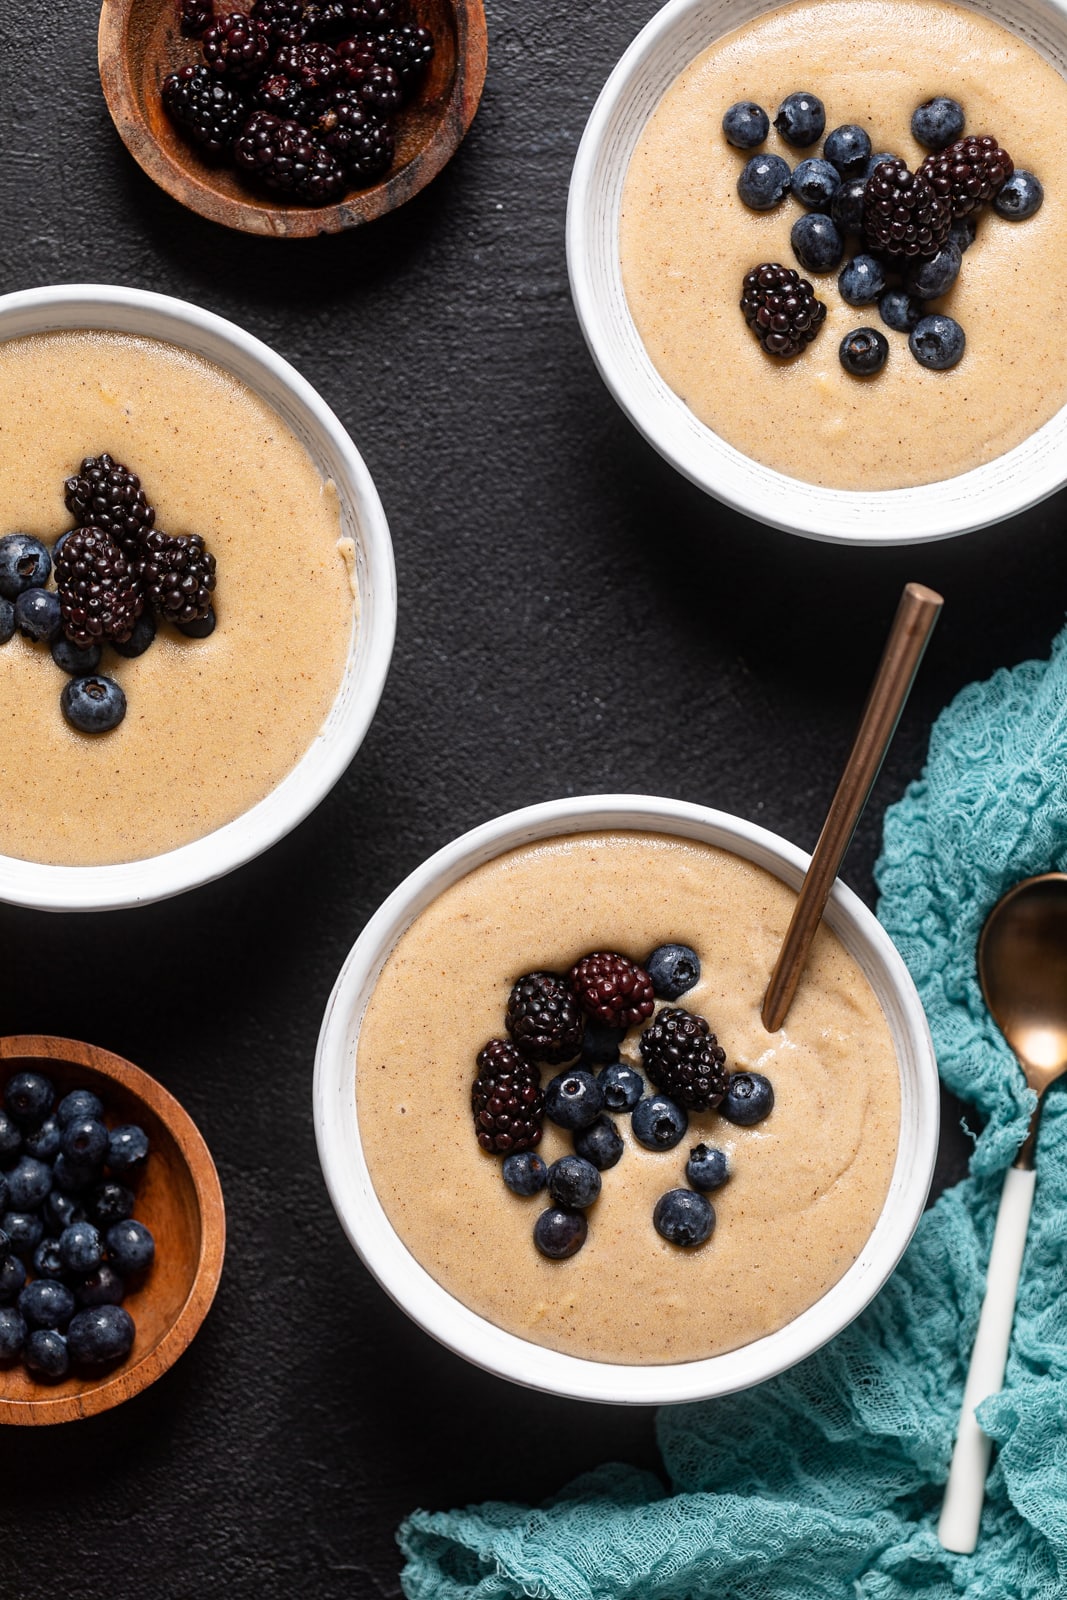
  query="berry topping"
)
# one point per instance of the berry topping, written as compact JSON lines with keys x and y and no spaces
{"x":963,"y":230}
{"x":559,"y":1233}
{"x":846,"y":207}
{"x":24,"y":564}
{"x":817,"y":242}
{"x":284,"y":157}
{"x":79,"y":662}
{"x":612,"y":989}
{"x":899,"y":311}
{"x":144,"y":631}
{"x":764,"y":182}
{"x":658,"y":1123}
{"x":524,"y":1173}
{"x":7,"y":620}
{"x":748,"y":1099}
{"x":781,"y":309}
{"x":573,"y":1182}
{"x":37,"y":615}
{"x":574,"y":1099}
{"x":600,"y":1044}
{"x":707,"y":1168}
{"x":544,"y":1018}
{"x":673,"y":968}
{"x":237,"y":47}
{"x":93,"y":705}
{"x":601,"y":1143}
{"x":506,"y":1099}
{"x":621,"y":1085}
{"x":861,"y":281}
{"x":178,"y":573}
{"x":207,"y":110}
{"x":937,"y":123}
{"x":745,"y":124}
{"x":877,"y":160}
{"x":201,"y":627}
{"x":801,"y":119}
{"x":937,"y":341}
{"x":682,"y":1057}
{"x":815,"y":182}
{"x":849,"y":149}
{"x":1019,"y":196}
{"x":968,"y":173}
{"x":902,"y":214}
{"x":684,"y":1218}
{"x":99,"y":590}
{"x":863,"y":352}
{"x":928,"y":277}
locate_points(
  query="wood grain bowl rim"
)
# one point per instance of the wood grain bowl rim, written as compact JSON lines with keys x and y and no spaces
{"x":128,"y":1380}
{"x":194,"y":192}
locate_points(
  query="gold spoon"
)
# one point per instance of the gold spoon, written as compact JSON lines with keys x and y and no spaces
{"x":1022,"y":967}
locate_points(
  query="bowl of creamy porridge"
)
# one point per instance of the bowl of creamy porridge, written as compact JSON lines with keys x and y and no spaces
{"x":658,"y":242}
{"x":228,"y":740}
{"x":823,"y":1194}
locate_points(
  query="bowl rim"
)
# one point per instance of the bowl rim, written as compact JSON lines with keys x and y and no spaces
{"x":996,"y":490}
{"x":507,"y":1355}
{"x":129,"y":1380}
{"x":116,"y":308}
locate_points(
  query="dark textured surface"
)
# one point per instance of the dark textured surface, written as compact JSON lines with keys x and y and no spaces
{"x":572,"y":618}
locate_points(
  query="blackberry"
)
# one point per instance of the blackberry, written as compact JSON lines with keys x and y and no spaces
{"x":902,"y":213}
{"x":178,"y":574}
{"x":283,"y":156}
{"x":682,"y":1057}
{"x":282,"y":97}
{"x":237,"y":47}
{"x":284,"y":18}
{"x":105,"y":494}
{"x":206,"y":109}
{"x":968,"y":173}
{"x":506,"y":1100}
{"x":544,"y":1018}
{"x":338,"y":19}
{"x":781,"y":309}
{"x":408,"y":51}
{"x":196,"y":17}
{"x":100,"y":593}
{"x":613,"y":989}
{"x":373,"y":80}
{"x":315,"y":67}
{"x":361,"y":142}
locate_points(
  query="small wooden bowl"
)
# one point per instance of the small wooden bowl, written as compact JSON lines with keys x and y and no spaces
{"x":140,"y":43}
{"x":178,"y":1198}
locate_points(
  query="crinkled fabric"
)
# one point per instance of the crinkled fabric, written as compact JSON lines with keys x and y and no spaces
{"x":827,"y":1481}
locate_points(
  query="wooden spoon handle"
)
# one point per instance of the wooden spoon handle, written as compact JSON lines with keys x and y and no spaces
{"x":912,"y":626}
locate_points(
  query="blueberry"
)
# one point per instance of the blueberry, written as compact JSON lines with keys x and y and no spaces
{"x":861,"y":280}
{"x":46,"y":1354}
{"x":4,"y":1197}
{"x":28,"y":1182}
{"x":72,"y":1178}
{"x":622,"y":1086}
{"x":816,"y":242}
{"x":684,"y":1218}
{"x":85,"y":1142}
{"x":764,"y":181}
{"x":37,"y":615}
{"x":815,"y":182}
{"x":7,"y":620}
{"x":1019,"y":197}
{"x":863,"y":352}
{"x":707,"y":1168}
{"x":80,"y":1249}
{"x":937,"y":341}
{"x":749,"y":1098}
{"x":144,"y":631}
{"x":673,"y":968}
{"x":100,"y":1334}
{"x":5,"y":1245}
{"x":601,"y":1043}
{"x":12,"y":1277}
{"x":10,"y":1137}
{"x":60,"y":1210}
{"x":849,"y":149}
{"x":927,"y":278}
{"x":79,"y":1103}
{"x":877,"y":159}
{"x":131,"y":1248}
{"x":937,"y":123}
{"x":524,"y":1173}
{"x":12,"y":1333}
{"x":28,"y":1098}
{"x":43,"y":1142}
{"x":572,"y":1183}
{"x":47,"y":1262}
{"x":573,"y":1100}
{"x":93,"y":705}
{"x":963,"y":230}
{"x":46,"y":1304}
{"x":24,"y":564}
{"x":801,"y":119}
{"x":658,"y":1123}
{"x":127,"y":1149}
{"x":846,"y":208}
{"x":73,"y":659}
{"x":24,"y":1230}
{"x":113,"y":1202}
{"x":745,"y":124}
{"x":559,"y":1233}
{"x":201,"y":628}
{"x":601,"y":1143}
{"x":103,"y":1287}
{"x":899,"y":311}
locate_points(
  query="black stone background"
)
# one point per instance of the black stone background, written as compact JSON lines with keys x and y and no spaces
{"x":573,"y":618}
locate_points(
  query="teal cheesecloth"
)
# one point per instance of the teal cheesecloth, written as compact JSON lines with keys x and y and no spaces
{"x":827,"y":1481}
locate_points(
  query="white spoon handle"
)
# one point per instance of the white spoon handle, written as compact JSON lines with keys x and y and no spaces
{"x":965,"y":1491}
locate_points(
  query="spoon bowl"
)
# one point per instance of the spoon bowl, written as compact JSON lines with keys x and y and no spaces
{"x":1022,"y":967}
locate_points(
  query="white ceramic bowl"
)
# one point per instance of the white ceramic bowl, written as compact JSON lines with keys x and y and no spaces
{"x":1001,"y":488}
{"x":463,"y":1330}
{"x":133,"y":311}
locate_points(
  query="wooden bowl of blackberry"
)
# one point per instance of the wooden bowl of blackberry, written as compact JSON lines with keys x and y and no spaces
{"x":156,"y":1176}
{"x":291,"y":118}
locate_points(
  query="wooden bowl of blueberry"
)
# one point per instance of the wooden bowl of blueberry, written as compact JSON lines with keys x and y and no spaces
{"x":112,"y":1230}
{"x":292,"y":117}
